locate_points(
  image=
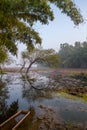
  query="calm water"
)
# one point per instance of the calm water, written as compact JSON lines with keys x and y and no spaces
{"x":47,"y":105}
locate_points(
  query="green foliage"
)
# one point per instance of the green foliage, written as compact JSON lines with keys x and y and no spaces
{"x":17,"y":18}
{"x":74,"y":56}
{"x":48,"y":58}
{"x":3,"y":54}
{"x":4,"y":57}
{"x":69,"y":8}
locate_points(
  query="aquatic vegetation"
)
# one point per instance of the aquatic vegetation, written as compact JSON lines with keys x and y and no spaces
{"x":48,"y":104}
{"x":80,"y":96}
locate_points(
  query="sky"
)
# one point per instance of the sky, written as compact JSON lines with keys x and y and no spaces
{"x":62,"y":29}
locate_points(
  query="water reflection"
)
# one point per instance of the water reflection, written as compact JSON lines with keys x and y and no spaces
{"x":48,"y":106}
{"x":7,"y":112}
{"x":77,"y":116}
{"x":3,"y":95}
{"x":4,"y":90}
{"x":32,"y":92}
{"x":35,"y":81}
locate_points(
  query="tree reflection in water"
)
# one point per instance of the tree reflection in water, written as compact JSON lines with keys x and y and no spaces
{"x":31,"y":91}
{"x":4,"y":80}
{"x":6,"y":112}
{"x":3,"y":97}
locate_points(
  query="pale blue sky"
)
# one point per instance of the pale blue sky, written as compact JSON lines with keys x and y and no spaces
{"x":62,"y":29}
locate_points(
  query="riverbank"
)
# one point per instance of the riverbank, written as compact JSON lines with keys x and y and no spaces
{"x":73,"y":83}
{"x":61,"y":70}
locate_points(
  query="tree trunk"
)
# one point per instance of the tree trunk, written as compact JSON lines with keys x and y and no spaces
{"x":23,"y":66}
{"x":28,"y":68}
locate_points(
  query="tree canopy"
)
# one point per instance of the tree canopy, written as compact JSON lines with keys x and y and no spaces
{"x":5,"y":58}
{"x":17,"y":18}
{"x":3,"y":55}
{"x":73,"y":56}
{"x":44,"y":57}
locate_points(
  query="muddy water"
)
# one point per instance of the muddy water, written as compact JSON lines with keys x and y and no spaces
{"x":49,"y":108}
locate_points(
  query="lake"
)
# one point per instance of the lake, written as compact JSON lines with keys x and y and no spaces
{"x":49,"y":108}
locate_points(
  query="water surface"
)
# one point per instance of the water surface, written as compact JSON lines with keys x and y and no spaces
{"x":48,"y":106}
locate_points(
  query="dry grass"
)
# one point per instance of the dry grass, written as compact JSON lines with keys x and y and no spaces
{"x":61,"y":70}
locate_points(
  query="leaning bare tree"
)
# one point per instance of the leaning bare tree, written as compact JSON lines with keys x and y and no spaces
{"x":39,"y":56}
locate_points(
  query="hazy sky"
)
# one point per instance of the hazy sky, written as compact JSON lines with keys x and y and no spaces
{"x":62,"y":29}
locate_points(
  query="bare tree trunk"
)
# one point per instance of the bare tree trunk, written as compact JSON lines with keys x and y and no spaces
{"x":0,"y":69}
{"x":28,"y":68}
{"x":1,"y":72}
{"x":22,"y":67}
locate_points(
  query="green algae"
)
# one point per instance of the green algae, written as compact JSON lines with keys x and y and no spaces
{"x":74,"y":97}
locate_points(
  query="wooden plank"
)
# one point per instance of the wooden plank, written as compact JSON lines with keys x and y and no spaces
{"x":7,"y":123}
{"x":21,"y":121}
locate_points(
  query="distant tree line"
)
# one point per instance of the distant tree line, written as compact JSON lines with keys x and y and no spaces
{"x":73,"y":56}
{"x":69,"y":56}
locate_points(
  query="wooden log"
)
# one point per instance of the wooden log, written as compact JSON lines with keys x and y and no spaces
{"x":21,"y":121}
{"x":11,"y":122}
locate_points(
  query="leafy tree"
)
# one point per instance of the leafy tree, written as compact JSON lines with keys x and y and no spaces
{"x":3,"y":54}
{"x":65,"y":53}
{"x":74,"y":56}
{"x":4,"y":57}
{"x":17,"y":18}
{"x":49,"y":58}
{"x":39,"y":56}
